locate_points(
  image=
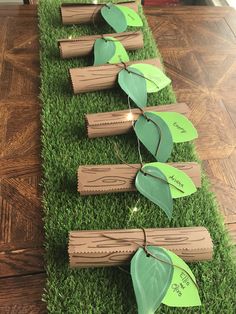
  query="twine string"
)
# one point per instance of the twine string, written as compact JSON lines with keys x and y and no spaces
{"x":140,"y":155}
{"x":148,"y":253}
{"x":141,"y":169}
{"x":144,"y":246}
{"x":161,"y":179}
{"x":121,"y":159}
{"x":117,"y":153}
{"x":125,"y":67}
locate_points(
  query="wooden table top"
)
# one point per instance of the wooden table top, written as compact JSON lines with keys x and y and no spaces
{"x":198,"y":46}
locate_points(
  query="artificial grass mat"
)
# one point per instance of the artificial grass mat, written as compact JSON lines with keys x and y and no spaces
{"x":65,"y":146}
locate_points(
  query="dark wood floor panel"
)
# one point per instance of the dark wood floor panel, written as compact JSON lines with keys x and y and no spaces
{"x":22,"y":295}
{"x":198,"y":46}
{"x":22,"y":261}
{"x":21,"y":227}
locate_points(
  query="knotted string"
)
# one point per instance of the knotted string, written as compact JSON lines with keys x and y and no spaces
{"x":121,"y":159}
{"x":96,"y":11}
{"x":117,"y":153}
{"x":148,"y":253}
{"x":125,"y":67}
{"x":140,"y":158}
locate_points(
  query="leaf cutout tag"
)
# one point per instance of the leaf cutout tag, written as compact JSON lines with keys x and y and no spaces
{"x":183,"y":291}
{"x":152,"y":183}
{"x":155,"y":135}
{"x":156,"y":79}
{"x":104,"y":50}
{"x":181,"y":128}
{"x":180,"y":183}
{"x":134,"y":85}
{"x":132,"y":18}
{"x":151,"y":278}
{"x":114,"y":17}
{"x":120,"y":54}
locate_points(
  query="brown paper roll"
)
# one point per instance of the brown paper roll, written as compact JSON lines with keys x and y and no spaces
{"x":120,"y":122}
{"x":100,"y":77}
{"x":76,"y":13}
{"x":105,"y":179}
{"x":116,"y":247}
{"x":82,"y":46}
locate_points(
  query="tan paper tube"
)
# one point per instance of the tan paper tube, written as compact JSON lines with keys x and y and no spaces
{"x":120,"y":122}
{"x":101,"y":77}
{"x":103,"y":179}
{"x":101,"y":248}
{"x":83,"y":46}
{"x":76,"y":13}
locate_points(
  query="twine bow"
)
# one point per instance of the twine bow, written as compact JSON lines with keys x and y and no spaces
{"x":150,"y":254}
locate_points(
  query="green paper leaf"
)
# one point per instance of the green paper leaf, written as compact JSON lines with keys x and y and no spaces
{"x":182,"y":291}
{"x":103,"y":51}
{"x":153,"y":185}
{"x":134,"y":86}
{"x":178,"y":178}
{"x":120,"y":54}
{"x":182,"y":129}
{"x":156,"y":79}
{"x":132,"y":18}
{"x":155,"y":135}
{"x":151,"y":278}
{"x":114,"y":17}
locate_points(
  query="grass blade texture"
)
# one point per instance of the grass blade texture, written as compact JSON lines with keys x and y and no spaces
{"x":65,"y":146}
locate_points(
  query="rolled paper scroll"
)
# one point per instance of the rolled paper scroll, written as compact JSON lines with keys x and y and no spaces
{"x":116,"y":247}
{"x":82,"y":46}
{"x":93,"y":78}
{"x":102,"y":179}
{"x":120,"y":122}
{"x":78,"y":13}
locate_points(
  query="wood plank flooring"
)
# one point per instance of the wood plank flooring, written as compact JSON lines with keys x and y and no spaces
{"x":198,"y":48}
{"x":22,"y":275}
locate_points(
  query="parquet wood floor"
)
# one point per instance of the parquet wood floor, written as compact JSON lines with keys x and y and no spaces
{"x":21,"y":229}
{"x":198,"y":48}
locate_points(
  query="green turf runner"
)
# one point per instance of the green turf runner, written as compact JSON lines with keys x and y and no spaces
{"x":65,"y":146}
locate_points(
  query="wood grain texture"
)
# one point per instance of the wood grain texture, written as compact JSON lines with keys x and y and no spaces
{"x":22,"y":295}
{"x":22,"y":261}
{"x":93,"y":78}
{"x":198,"y":46}
{"x":120,"y":122}
{"x":116,"y":247}
{"x":83,"y":46}
{"x":104,"y":179}
{"x":21,"y":228}
{"x":86,"y":13}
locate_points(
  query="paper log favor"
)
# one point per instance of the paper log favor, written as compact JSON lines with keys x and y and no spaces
{"x":120,"y":122}
{"x":76,"y":13}
{"x":116,"y":247}
{"x":93,"y":78}
{"x":102,"y":179}
{"x":82,"y":46}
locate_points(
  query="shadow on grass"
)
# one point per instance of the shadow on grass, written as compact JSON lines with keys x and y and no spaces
{"x":69,"y":184}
